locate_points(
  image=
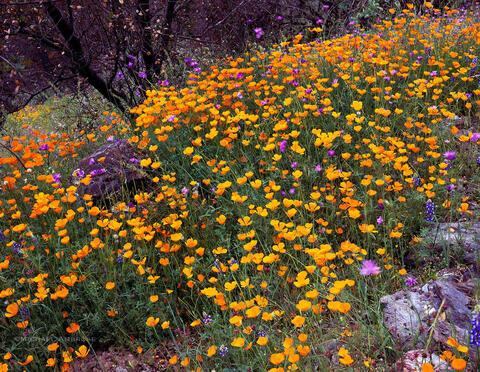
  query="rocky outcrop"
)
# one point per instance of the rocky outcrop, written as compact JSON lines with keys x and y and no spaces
{"x":114,"y":167}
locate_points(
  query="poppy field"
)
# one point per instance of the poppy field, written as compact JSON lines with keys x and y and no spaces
{"x":286,"y":188}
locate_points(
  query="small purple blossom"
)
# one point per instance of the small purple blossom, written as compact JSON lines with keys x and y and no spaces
{"x":56,"y":177}
{"x":331,"y":153}
{"x":294,"y":165}
{"x":450,"y":155}
{"x":171,"y":118}
{"x":78,"y":173}
{"x":379,"y":220}
{"x":410,"y":281}
{"x":318,"y":168}
{"x":184,"y":191}
{"x":134,"y":160}
{"x":97,"y":172}
{"x":475,"y":137}
{"x":369,"y":268}
{"x":44,"y":147}
{"x":258,"y":32}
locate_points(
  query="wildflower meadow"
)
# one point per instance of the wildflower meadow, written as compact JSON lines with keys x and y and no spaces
{"x":286,"y":192}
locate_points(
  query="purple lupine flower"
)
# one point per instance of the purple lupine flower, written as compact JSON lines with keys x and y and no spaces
{"x":223,"y":350}
{"x":171,"y":118}
{"x":91,"y":161}
{"x":184,"y":191}
{"x":294,"y":165}
{"x":134,"y":160}
{"x":379,"y":220}
{"x":430,"y":211}
{"x":331,"y":152}
{"x":475,"y":330}
{"x":17,"y":248}
{"x":207,"y":319}
{"x":369,"y":268}
{"x":475,"y":137}
{"x":44,"y":147}
{"x":56,"y":177}
{"x":261,"y":334}
{"x":24,"y":312}
{"x":318,"y":168}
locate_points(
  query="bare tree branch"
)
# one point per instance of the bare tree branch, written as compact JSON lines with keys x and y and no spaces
{"x":11,"y":65}
{"x":78,"y":58}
